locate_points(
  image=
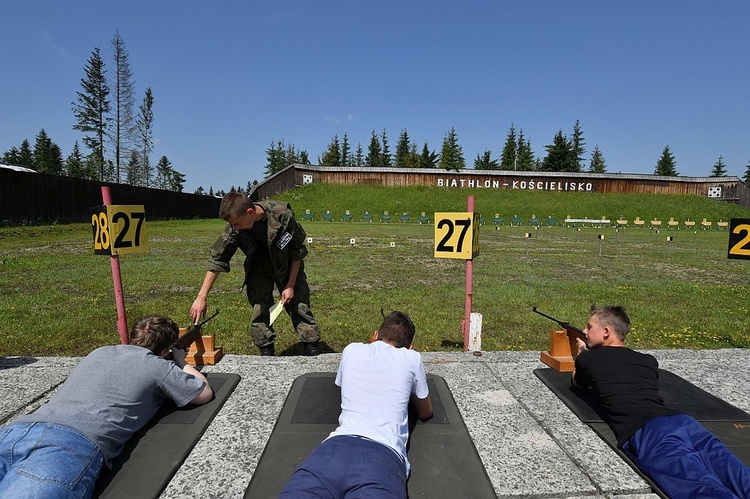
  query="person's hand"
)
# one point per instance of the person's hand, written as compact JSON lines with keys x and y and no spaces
{"x":178,"y":356}
{"x":287,"y":295}
{"x":198,"y":309}
{"x":581,"y":345}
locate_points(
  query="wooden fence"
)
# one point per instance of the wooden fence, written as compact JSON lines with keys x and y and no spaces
{"x":41,"y":198}
{"x":729,"y":189}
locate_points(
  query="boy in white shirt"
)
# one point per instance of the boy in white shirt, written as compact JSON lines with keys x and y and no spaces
{"x":367,"y":452}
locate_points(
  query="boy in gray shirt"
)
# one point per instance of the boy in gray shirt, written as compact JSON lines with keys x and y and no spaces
{"x":58,"y":450}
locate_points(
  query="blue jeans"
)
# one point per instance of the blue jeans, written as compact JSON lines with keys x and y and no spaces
{"x":349,"y":467}
{"x":47,"y":460}
{"x":686,"y":460}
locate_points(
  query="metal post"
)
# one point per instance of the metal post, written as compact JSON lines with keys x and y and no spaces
{"x":122,"y":323}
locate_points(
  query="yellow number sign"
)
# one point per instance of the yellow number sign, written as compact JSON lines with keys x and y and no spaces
{"x":739,"y":238}
{"x":119,"y":229}
{"x":457,"y":235}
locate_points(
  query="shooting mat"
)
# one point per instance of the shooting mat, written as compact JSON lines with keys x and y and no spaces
{"x":443,"y":458}
{"x":729,"y":423}
{"x":153,"y":455}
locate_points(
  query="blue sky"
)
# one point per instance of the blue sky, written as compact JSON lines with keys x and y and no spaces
{"x":230,"y":77}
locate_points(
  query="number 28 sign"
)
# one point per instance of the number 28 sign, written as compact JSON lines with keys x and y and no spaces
{"x":119,"y":229}
{"x":457,"y":235}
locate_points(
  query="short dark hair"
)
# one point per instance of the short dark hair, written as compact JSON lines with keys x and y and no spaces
{"x":398,"y":329}
{"x":234,"y":204}
{"x":155,"y":332}
{"x":614,"y":316}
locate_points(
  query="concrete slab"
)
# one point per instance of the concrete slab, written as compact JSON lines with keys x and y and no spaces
{"x":530,"y":443}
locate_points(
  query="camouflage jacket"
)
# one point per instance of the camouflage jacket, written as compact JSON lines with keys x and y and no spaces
{"x":286,"y":241}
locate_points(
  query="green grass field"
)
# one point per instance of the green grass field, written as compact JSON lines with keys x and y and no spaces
{"x":57,"y":296}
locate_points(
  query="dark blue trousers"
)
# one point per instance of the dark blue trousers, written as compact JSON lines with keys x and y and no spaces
{"x":686,"y":460}
{"x":348,"y":467}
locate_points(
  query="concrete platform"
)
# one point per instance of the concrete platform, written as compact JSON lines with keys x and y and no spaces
{"x":530,"y":443}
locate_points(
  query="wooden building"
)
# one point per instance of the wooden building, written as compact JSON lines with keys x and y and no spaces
{"x":728,"y":189}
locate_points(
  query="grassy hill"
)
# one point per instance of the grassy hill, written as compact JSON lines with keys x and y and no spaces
{"x":318,"y":198}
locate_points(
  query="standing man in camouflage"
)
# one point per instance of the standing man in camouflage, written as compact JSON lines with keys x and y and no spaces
{"x":274,"y":246}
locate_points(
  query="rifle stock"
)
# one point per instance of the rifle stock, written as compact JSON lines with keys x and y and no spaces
{"x":184,"y":341}
{"x":569,"y":328}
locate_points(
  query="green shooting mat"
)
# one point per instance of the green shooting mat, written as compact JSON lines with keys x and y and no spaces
{"x":729,"y":423}
{"x":154,"y":454}
{"x":443,"y":458}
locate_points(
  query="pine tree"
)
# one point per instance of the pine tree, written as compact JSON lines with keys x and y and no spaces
{"x":303,"y":158}
{"x":373,"y":151}
{"x":666,"y":166}
{"x":167,"y":178}
{"x":145,"y":130}
{"x":451,"y":155}
{"x":412,"y":157}
{"x":746,"y":176}
{"x":578,"y":147}
{"x":428,"y":159}
{"x":485,"y":161}
{"x":720,"y":168}
{"x":92,"y":110}
{"x":508,"y":158}
{"x":560,"y":155}
{"x":597,"y":164}
{"x":124,"y":124}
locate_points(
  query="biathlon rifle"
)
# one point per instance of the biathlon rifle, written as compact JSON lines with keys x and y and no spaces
{"x":567,"y":326}
{"x":184,"y":341}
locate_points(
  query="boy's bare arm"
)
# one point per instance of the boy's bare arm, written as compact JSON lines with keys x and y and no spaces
{"x":423,"y":407}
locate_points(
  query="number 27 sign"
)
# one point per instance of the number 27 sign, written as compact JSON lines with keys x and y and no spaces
{"x":119,"y":229}
{"x":457,"y":235}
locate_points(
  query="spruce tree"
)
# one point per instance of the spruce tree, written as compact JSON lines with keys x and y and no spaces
{"x":597,"y":164}
{"x":428,"y":159}
{"x":373,"y":151}
{"x":75,"y":165}
{"x":560,"y":155}
{"x":359,"y":156}
{"x":402,"y":150}
{"x":275,"y":160}
{"x":332,"y":155}
{"x":508,"y":158}
{"x":47,"y":156}
{"x":720,"y":168}
{"x":345,"y":151}
{"x":485,"y":161}
{"x":11,"y":157}
{"x":145,"y":131}
{"x":25,"y":156}
{"x":451,"y":155}
{"x":746,"y":176}
{"x":578,"y":147}
{"x":123,"y":124}
{"x":525,"y":160}
{"x":385,"y":157}
{"x":666,"y":166}
{"x":92,"y":110}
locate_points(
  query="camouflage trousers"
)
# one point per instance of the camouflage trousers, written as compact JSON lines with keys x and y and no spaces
{"x":260,"y":296}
